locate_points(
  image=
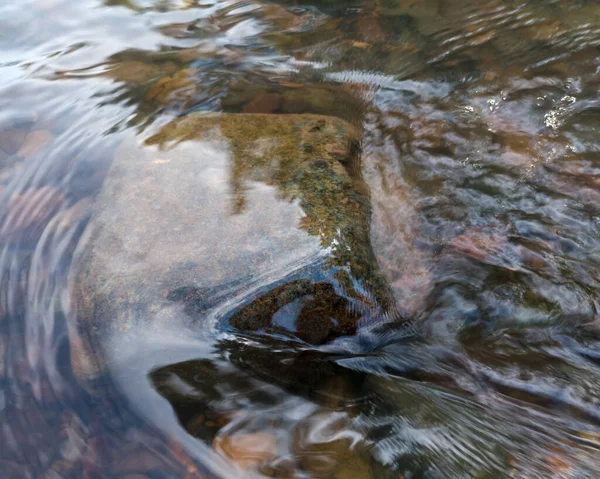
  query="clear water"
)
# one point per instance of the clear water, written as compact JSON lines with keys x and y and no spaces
{"x":480,"y":151}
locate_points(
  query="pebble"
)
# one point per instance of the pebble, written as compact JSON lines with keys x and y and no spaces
{"x":247,"y":450}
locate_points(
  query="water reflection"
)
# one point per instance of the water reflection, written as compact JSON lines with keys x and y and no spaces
{"x":477,"y":157}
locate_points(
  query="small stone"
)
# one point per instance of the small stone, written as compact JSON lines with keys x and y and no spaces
{"x":34,"y":142}
{"x":361,"y":45}
{"x":247,"y":450}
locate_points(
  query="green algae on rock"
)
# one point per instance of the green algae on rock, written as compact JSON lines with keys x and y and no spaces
{"x":221,"y":206}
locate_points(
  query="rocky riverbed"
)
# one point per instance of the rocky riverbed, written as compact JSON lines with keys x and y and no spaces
{"x":304,"y":238}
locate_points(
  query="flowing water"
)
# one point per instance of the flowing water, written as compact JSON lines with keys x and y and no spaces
{"x":480,"y":150}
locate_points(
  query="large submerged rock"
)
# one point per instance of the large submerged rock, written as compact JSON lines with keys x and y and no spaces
{"x":234,"y":220}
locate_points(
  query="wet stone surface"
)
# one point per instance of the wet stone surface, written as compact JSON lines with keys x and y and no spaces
{"x":212,"y":201}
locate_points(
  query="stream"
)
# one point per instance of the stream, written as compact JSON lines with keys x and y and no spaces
{"x":480,"y":158}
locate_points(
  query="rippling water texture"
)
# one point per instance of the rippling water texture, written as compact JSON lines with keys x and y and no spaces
{"x":479,"y":155}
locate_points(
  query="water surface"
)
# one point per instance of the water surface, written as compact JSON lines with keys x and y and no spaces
{"x":480,"y":154}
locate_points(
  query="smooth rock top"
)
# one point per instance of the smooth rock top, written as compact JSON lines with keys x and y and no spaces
{"x":213,"y":209}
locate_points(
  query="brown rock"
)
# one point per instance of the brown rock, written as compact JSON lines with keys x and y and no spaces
{"x":322,"y":314}
{"x":325,"y":313}
{"x":247,"y":450}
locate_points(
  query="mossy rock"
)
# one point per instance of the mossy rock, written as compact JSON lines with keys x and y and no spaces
{"x":222,"y":206}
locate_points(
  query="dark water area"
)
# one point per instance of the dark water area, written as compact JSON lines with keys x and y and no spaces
{"x":443,"y":321}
